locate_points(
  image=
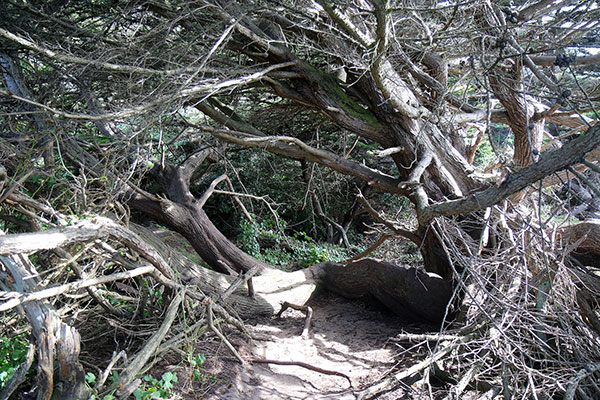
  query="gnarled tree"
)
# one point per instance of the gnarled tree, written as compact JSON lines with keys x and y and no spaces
{"x":140,"y":91}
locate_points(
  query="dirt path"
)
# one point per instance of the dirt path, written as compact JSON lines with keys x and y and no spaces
{"x":345,"y":336}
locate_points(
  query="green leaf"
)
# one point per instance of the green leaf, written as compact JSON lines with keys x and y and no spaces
{"x":90,"y":377}
{"x":169,"y":376}
{"x":198,"y":375}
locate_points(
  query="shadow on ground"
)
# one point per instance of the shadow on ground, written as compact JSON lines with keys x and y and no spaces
{"x":345,"y":336}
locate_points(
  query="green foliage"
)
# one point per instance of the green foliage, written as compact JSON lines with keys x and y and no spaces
{"x":55,"y":186}
{"x":196,"y":361}
{"x":90,"y":378}
{"x":398,"y":204}
{"x":105,"y":397}
{"x":281,"y":181}
{"x":464,"y":89}
{"x":276,"y":256}
{"x":248,"y":237}
{"x":12,"y":353}
{"x":154,"y":293}
{"x":271,"y":226}
{"x":300,"y":249}
{"x":153,"y":388}
{"x":307,"y":252}
{"x":484,"y":155}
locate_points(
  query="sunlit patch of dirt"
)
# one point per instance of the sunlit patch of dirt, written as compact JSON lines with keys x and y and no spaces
{"x":346,"y":336}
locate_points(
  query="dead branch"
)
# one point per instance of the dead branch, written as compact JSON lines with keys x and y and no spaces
{"x":400,"y":232}
{"x":83,"y":231}
{"x":240,"y":280}
{"x":18,"y":298}
{"x":209,"y":309}
{"x":55,"y":339}
{"x":104,"y":376}
{"x":396,"y":378}
{"x":142,"y":357}
{"x":382,"y":238}
{"x":585,"y":372}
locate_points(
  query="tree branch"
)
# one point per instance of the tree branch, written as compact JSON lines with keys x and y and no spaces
{"x":295,"y":148}
{"x":17,"y":298}
{"x":549,"y":163}
{"x":83,"y":231}
{"x":400,"y":232}
{"x":192,"y":163}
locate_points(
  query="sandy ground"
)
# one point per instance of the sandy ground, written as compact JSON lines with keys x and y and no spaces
{"x":350,"y":337}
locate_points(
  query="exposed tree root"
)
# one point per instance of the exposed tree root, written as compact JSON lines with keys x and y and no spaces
{"x":303,"y":365}
{"x":307,"y":309}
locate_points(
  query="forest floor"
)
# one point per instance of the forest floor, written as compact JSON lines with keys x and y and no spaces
{"x":351,"y":337}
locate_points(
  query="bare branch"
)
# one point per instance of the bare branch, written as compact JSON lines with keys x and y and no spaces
{"x":83,"y":231}
{"x":295,"y":148}
{"x":549,"y":163}
{"x":88,"y":62}
{"x":17,"y":298}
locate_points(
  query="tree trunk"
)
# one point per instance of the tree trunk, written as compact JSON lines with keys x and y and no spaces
{"x":192,"y":222}
{"x":400,"y":289}
{"x":184,"y":214}
{"x":583,"y":241}
{"x":528,"y":130}
{"x":405,"y":291}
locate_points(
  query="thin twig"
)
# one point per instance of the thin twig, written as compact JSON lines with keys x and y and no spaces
{"x":213,"y":328}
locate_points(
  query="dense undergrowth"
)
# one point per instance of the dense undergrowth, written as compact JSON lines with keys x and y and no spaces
{"x":267,"y":241}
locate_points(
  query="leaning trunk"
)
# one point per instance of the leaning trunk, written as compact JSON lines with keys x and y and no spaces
{"x":193,"y":223}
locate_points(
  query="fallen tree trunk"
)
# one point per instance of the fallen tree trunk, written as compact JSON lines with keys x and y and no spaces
{"x":402,"y":290}
{"x":405,"y":291}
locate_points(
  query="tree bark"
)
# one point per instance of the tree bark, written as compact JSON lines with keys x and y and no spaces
{"x":184,"y":214}
{"x":583,"y":241}
{"x":405,"y":291}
